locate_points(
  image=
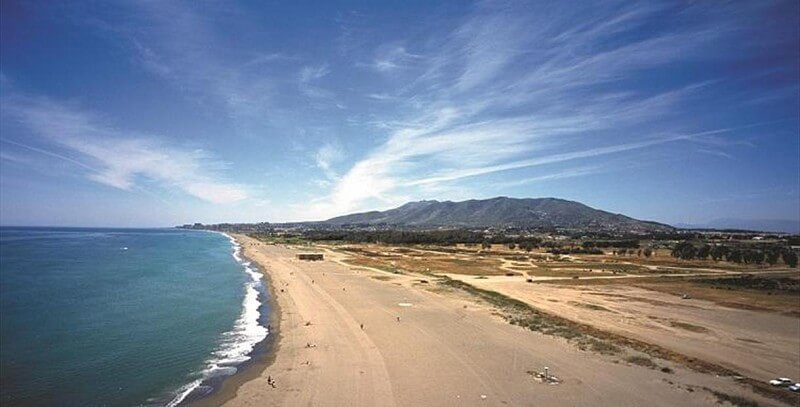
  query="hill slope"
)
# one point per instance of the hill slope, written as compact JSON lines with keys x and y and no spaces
{"x":501,"y":212}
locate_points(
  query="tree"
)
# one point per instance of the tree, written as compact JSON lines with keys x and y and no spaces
{"x":684,"y":250}
{"x":526,"y":245}
{"x":639,"y":253}
{"x":486,"y":245}
{"x":719,"y":251}
{"x":754,"y":256}
{"x":512,"y":246}
{"x":648,"y":252}
{"x":790,"y":258}
{"x":703,"y":252}
{"x":772,"y":255}
{"x":734,"y":256}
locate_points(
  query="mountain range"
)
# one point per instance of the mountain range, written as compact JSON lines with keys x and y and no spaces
{"x":501,"y":212}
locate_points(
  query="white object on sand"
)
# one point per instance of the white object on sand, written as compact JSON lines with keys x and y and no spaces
{"x":405,"y":304}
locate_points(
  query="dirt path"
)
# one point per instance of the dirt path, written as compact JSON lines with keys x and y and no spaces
{"x":444,"y":349}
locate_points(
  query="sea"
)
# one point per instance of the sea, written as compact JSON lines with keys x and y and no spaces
{"x":124,"y":317}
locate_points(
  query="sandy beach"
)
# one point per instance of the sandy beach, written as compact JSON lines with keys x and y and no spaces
{"x":361,"y":337}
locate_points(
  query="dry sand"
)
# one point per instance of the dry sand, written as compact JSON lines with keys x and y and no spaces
{"x":761,"y":345}
{"x":445,"y":349}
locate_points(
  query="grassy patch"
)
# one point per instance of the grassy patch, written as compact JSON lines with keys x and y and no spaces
{"x":291,"y":240}
{"x":749,"y":281}
{"x":368,"y":262}
{"x":687,"y":326}
{"x":642,"y":361}
{"x":733,"y":399}
{"x":592,"y":307}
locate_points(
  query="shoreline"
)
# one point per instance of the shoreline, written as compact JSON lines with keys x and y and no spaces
{"x":223,"y":388}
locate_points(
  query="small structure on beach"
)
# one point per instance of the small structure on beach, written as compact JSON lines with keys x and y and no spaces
{"x":309,"y":256}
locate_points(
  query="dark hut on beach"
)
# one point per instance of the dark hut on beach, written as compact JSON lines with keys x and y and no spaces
{"x":309,"y":256}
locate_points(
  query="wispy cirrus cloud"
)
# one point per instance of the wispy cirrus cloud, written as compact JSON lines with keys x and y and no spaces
{"x":391,"y":57}
{"x":180,"y":44}
{"x":308,"y":78}
{"x":114,"y":157}
{"x":514,"y":87}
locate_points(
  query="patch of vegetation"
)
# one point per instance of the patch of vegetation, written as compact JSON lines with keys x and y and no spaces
{"x":592,"y":307}
{"x":749,"y":281}
{"x":747,"y":254}
{"x":362,"y":252}
{"x":599,"y":346}
{"x":642,"y":361}
{"x":733,"y":399}
{"x":687,"y":326}
{"x":516,"y":258}
{"x":367,"y":262}
{"x":278,"y":239}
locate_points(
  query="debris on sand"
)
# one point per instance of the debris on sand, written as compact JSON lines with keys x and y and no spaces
{"x":544,"y":377}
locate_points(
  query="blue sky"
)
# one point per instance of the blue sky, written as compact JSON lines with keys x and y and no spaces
{"x":159,"y":113}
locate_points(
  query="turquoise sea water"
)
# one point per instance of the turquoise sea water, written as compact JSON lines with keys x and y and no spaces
{"x":122,"y":317}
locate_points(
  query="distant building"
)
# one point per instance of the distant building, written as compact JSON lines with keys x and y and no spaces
{"x":309,"y":256}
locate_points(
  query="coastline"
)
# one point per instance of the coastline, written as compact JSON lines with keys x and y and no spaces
{"x":241,"y":347}
{"x":253,"y":368}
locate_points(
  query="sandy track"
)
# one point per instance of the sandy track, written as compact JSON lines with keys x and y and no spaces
{"x":445,"y":350}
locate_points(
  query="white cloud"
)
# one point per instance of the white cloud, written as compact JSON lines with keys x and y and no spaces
{"x":312,"y":73}
{"x":328,"y":155}
{"x":308,"y":77}
{"x":512,"y":88}
{"x":119,"y":158}
{"x":392,"y":57}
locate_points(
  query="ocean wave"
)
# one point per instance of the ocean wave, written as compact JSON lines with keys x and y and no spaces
{"x":237,"y":344}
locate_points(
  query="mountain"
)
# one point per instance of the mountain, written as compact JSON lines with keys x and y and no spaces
{"x":501,"y":212}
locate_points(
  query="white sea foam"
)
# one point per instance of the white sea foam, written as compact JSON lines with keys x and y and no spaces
{"x":236,"y":344}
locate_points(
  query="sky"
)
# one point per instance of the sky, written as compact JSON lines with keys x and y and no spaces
{"x":157,"y":113}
